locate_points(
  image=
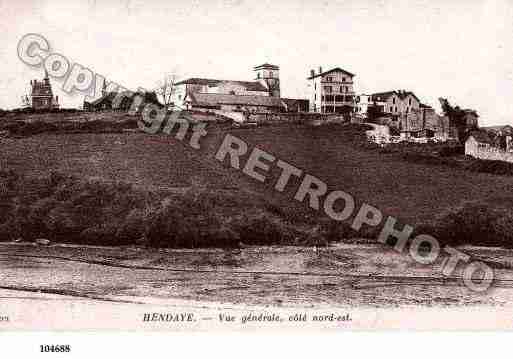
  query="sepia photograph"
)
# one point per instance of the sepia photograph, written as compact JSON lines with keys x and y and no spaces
{"x":232,"y":165}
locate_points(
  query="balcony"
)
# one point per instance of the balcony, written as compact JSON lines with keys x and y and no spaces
{"x":337,"y":99}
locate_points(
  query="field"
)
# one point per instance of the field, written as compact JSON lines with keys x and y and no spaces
{"x":200,"y":192}
{"x":415,"y":193}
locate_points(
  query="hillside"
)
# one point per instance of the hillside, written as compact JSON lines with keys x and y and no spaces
{"x":415,"y":193}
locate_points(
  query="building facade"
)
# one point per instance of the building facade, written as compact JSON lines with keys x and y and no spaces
{"x":331,"y":91}
{"x":395,"y":102}
{"x":41,"y":95}
{"x":269,"y":77}
{"x":480,"y":145}
{"x":362,"y":104}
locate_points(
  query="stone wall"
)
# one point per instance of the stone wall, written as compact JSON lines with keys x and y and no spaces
{"x":486,"y":152}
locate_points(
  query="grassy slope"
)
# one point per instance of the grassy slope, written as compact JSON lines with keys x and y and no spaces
{"x":413,"y":192}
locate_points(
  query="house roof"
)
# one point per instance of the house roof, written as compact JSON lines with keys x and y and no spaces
{"x":403,"y":94}
{"x":198,"y":81}
{"x":249,"y":85}
{"x":399,"y":93}
{"x":383,"y":95}
{"x":267,"y":66}
{"x":107,"y":97}
{"x":470,"y":112}
{"x":505,"y":128}
{"x":336,"y":69}
{"x":149,"y":97}
{"x":481,"y":136}
{"x":209,"y":99}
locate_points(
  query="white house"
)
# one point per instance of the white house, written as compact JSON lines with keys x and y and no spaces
{"x":362,"y":104}
{"x":480,"y":145}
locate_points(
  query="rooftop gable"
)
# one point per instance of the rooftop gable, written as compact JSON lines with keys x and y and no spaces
{"x":267,"y":66}
{"x":336,"y":69}
{"x":249,"y":85}
{"x":399,"y":93}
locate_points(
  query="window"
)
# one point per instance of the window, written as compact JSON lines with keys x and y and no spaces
{"x":328,"y":89}
{"x":329,"y":79}
{"x":341,"y":89}
{"x":409,"y":101}
{"x":347,"y":89}
{"x":258,"y":75}
{"x":270,"y":74}
{"x":343,"y":79}
{"x":393,"y":100}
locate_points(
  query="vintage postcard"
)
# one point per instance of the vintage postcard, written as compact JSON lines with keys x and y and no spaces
{"x":276,"y":165}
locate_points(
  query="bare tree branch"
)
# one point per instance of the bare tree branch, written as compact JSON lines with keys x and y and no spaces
{"x":166,"y":88}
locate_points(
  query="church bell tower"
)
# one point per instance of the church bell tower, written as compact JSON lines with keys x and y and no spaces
{"x":269,"y":76}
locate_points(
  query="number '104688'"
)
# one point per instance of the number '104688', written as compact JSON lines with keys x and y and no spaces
{"x":55,"y":348}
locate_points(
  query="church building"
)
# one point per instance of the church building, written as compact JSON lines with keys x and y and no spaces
{"x":262,"y":95}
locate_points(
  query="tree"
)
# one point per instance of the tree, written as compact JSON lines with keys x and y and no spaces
{"x":166,"y":88}
{"x":374,"y":112}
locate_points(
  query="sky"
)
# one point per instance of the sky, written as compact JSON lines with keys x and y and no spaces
{"x":459,"y":49}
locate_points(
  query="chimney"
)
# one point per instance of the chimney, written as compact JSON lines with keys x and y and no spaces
{"x":57,"y":99}
{"x":312,"y":73}
{"x":320,"y":69}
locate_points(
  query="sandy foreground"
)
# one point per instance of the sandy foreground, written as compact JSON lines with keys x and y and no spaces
{"x":346,"y":287}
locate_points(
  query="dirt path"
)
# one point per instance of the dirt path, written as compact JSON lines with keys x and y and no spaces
{"x":346,"y":275}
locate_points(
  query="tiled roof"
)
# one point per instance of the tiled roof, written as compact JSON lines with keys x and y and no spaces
{"x":198,"y":81}
{"x":107,"y":97}
{"x":404,"y":94}
{"x":505,"y":128}
{"x":382,"y":96}
{"x":400,"y":93}
{"x":470,"y":112}
{"x":208,"y":99}
{"x":267,"y":66}
{"x":249,"y":85}
{"x":336,"y":69}
{"x":149,"y":97}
